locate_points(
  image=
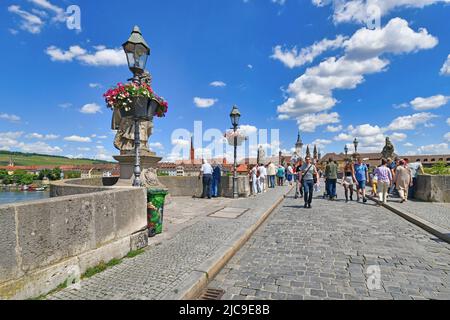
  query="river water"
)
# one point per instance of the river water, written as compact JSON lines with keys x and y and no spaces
{"x":14,"y":197}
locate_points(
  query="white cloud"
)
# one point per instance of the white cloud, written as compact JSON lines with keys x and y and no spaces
{"x":218,"y":84}
{"x":293,"y":58}
{"x":156,"y":145}
{"x":334,"y":128}
{"x":204,"y":102}
{"x":30,"y":22}
{"x":8,"y":140}
{"x":91,"y":108}
{"x":312,"y":92}
{"x":39,"y":147}
{"x":250,"y":66}
{"x":359,"y":10}
{"x":447,"y":137}
{"x":248,"y":130}
{"x":321,"y":143}
{"x":9,"y":117}
{"x":445,"y":70}
{"x":396,"y":37}
{"x":65,"y":105}
{"x":434,"y":149}
{"x":95,"y":85}
{"x":448,"y":121}
{"x":398,"y":137}
{"x":101,"y":57}
{"x":408,"y":145}
{"x":42,"y":136}
{"x":411,"y":122}
{"x":78,"y":139}
{"x":434,"y":102}
{"x":309,"y":122}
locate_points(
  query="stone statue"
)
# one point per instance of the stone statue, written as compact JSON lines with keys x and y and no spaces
{"x":124,"y":140}
{"x":261,"y":155}
{"x":388,"y":150}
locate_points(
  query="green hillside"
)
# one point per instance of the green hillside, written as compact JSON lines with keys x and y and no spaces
{"x":32,"y":159}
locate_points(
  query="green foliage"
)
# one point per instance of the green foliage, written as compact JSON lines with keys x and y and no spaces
{"x":53,"y":175}
{"x":8,"y":180}
{"x":135,"y":253}
{"x":33,"y":159}
{"x":163,"y":174}
{"x":440,"y":168}
{"x":102,"y":266}
{"x":3,"y":174}
{"x":72,"y":175}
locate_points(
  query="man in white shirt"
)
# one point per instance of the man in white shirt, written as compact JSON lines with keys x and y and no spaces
{"x":206,"y":172}
{"x":262,"y":178}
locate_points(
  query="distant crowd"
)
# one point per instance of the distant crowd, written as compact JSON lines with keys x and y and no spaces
{"x":392,"y":178}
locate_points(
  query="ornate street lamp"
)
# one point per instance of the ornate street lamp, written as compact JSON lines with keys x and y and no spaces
{"x":137,"y":51}
{"x":235,"y":116}
{"x":346,"y":150}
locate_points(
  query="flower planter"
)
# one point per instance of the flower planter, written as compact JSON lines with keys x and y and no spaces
{"x":140,"y":108}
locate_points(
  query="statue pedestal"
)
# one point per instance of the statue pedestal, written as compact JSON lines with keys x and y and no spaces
{"x":149,"y":163}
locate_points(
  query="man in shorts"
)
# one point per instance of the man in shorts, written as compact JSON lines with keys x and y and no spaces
{"x":361,"y":177}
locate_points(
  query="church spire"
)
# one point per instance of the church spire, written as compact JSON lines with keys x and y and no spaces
{"x":192,"y":150}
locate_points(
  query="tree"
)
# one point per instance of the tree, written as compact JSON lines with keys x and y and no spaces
{"x":3,"y":174}
{"x":55,"y":174}
{"x":8,"y":180}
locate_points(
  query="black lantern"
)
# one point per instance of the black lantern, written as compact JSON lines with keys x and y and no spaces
{"x":137,"y":51}
{"x":346,"y":150}
{"x":356,"y":143}
{"x":235,"y":116}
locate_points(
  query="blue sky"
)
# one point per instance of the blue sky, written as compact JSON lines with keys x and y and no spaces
{"x":308,"y":64}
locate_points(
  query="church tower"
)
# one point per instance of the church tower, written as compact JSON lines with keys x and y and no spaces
{"x":308,"y":152}
{"x":192,"y":150}
{"x":299,"y":145}
{"x":316,"y":153}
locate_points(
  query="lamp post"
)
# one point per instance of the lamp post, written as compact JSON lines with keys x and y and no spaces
{"x":137,"y":52}
{"x":235,"y":116}
{"x":346,"y":151}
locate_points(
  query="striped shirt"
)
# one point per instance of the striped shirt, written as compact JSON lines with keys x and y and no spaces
{"x":384,"y":174}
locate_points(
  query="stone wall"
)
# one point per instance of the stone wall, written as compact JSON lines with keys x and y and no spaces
{"x":43,"y":243}
{"x":192,"y":186}
{"x":433,"y":188}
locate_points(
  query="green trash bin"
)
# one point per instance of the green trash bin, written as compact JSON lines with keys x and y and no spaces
{"x":155,"y":210}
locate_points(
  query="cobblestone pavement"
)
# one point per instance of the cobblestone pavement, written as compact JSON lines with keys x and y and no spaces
{"x":163,"y":268}
{"x":325,"y":253}
{"x":436,"y":213}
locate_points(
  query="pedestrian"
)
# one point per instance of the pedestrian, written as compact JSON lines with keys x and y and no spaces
{"x":361,"y":177}
{"x":403,"y":180}
{"x":349,"y":173}
{"x":298,"y":174}
{"x":392,"y":165}
{"x":331,"y":175}
{"x":310,"y":177}
{"x":217,"y":176}
{"x":290,"y":174}
{"x":416,"y":169}
{"x":254,"y":178}
{"x":374,"y":182}
{"x":271,"y":173}
{"x":384,"y":175}
{"x":206,"y":173}
{"x":262,"y":178}
{"x":280,"y":175}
